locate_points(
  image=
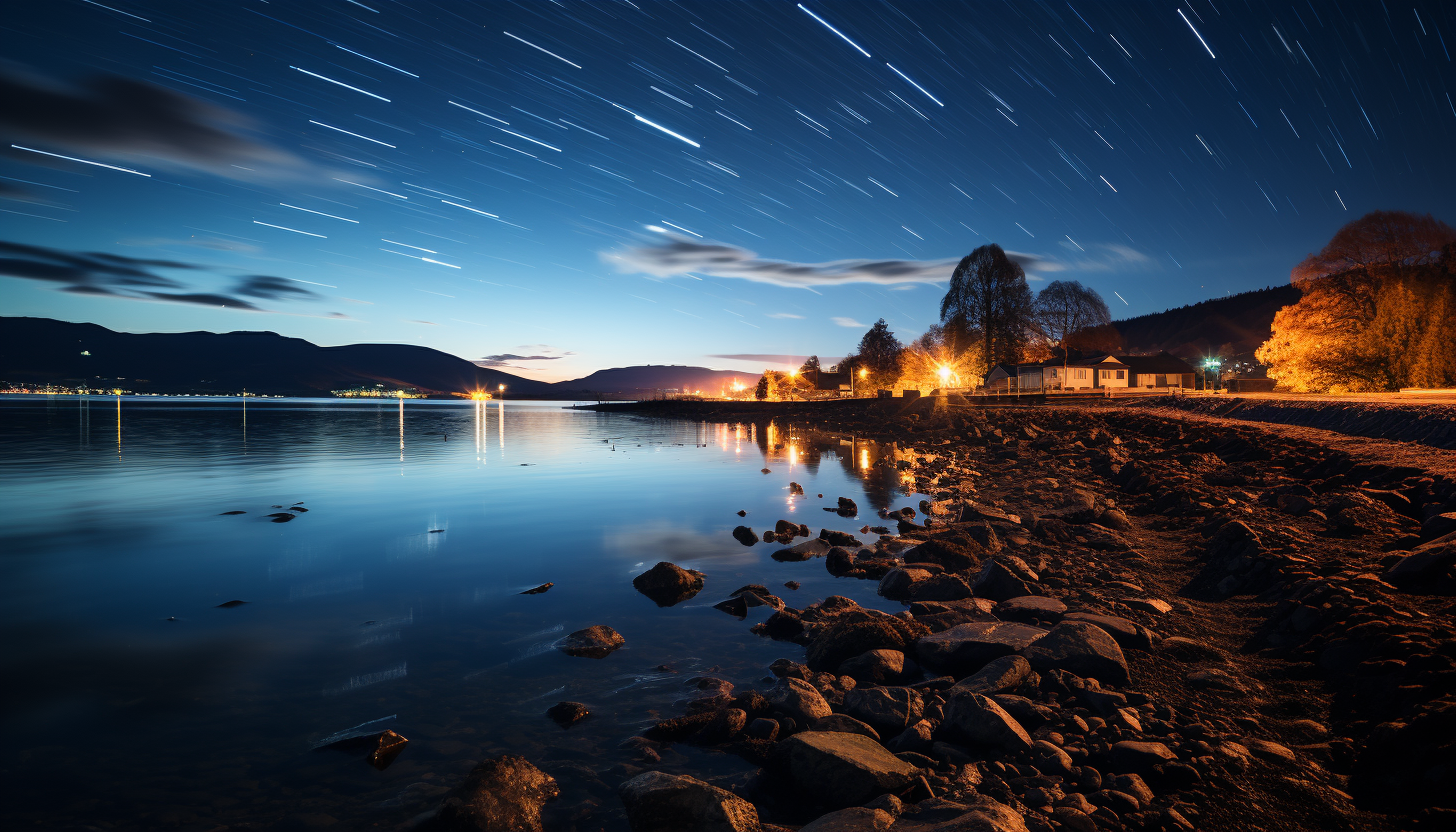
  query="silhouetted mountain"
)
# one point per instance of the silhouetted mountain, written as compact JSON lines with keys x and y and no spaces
{"x":41,"y":350}
{"x":653,"y":379}
{"x":1232,"y":326}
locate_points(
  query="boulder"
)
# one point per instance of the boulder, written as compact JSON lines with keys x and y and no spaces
{"x":1427,"y":570}
{"x":853,"y":819}
{"x":1128,"y":635}
{"x":744,"y":535}
{"x":899,"y":583}
{"x":966,"y":648}
{"x":998,"y":675}
{"x":668,"y":584}
{"x":942,"y":587}
{"x":591,"y":643}
{"x":1080,"y":649}
{"x":846,"y":724}
{"x":839,"y":561}
{"x":1438,"y":525}
{"x":799,"y":700}
{"x":1138,"y":757}
{"x":889,"y":710}
{"x":785,"y":527}
{"x":850,"y":637}
{"x":977,"y":720}
{"x":838,"y":770}
{"x":917,"y":738}
{"x":847,"y":507}
{"x":879,"y":667}
{"x":502,"y":794}
{"x":660,"y":802}
{"x":955,"y":557}
{"x":1030,"y":609}
{"x":999,"y":580}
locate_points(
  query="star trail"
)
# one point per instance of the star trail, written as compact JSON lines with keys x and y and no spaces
{"x":633,"y":182}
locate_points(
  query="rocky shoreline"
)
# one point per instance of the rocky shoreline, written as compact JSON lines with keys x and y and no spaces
{"x":1110,"y":620}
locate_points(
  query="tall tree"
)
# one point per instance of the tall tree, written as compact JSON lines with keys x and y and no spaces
{"x":988,"y":298}
{"x":879,"y":354}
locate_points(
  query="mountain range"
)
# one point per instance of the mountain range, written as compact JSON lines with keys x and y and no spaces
{"x":37,"y":351}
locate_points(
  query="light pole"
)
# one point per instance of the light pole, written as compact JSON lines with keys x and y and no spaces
{"x":501,"y":390}
{"x":1211,"y":364}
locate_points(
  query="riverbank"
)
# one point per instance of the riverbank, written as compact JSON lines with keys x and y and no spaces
{"x":1111,"y":619}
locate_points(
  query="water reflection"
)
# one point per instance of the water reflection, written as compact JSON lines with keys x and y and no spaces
{"x":102,"y":550}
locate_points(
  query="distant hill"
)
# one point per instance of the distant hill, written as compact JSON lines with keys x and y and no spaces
{"x":652,"y":379}
{"x":1237,"y":324}
{"x":40,"y":350}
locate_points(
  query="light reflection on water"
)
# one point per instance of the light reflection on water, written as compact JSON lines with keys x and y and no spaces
{"x":396,"y":592}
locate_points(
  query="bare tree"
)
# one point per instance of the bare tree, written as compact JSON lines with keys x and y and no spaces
{"x":1068,"y":312}
{"x":988,"y":298}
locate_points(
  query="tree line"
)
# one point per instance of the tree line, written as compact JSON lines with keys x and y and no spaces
{"x":988,"y":316}
{"x":1377,"y":310}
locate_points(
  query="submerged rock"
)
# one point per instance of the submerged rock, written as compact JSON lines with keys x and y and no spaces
{"x":503,"y":794}
{"x":537,"y":590}
{"x":592,"y":643}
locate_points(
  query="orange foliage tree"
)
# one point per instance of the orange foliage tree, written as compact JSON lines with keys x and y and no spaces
{"x":1377,"y":310}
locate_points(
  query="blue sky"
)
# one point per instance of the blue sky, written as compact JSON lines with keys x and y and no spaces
{"x":562,"y":187}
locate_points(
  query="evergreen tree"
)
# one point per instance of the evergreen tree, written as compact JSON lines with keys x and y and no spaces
{"x":879,"y":353}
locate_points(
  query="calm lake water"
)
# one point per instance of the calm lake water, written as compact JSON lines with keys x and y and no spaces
{"x":395,"y":594}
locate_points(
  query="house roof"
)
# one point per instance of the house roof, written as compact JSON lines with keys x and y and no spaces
{"x":1160,"y":363}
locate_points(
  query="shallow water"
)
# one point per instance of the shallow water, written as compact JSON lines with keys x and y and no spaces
{"x":395,"y":594}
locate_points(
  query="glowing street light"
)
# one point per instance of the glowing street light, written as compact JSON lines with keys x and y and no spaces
{"x":944,"y":373}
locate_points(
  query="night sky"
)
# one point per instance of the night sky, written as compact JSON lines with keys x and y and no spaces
{"x":559,"y":187}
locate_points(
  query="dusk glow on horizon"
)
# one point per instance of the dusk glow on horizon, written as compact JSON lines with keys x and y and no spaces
{"x":555,"y":188}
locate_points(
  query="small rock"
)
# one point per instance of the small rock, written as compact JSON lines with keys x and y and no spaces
{"x":567,"y":714}
{"x":889,"y":710}
{"x":537,"y":590}
{"x":744,"y":535}
{"x":1211,"y":678}
{"x":1156,"y":606}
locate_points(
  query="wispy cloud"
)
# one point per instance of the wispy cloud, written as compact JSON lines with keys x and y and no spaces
{"x":681,"y":256}
{"x":786,"y":316}
{"x":849,"y":322}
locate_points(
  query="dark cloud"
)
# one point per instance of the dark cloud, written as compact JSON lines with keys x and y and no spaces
{"x":116,"y":275}
{"x":272,"y":288}
{"x":111,"y":115}
{"x":511,"y":357}
{"x":680,"y":256}
{"x":205,"y":299}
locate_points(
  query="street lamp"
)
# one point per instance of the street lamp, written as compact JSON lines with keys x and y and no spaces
{"x":501,"y":389}
{"x":1211,"y":364}
{"x":944,"y":373}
